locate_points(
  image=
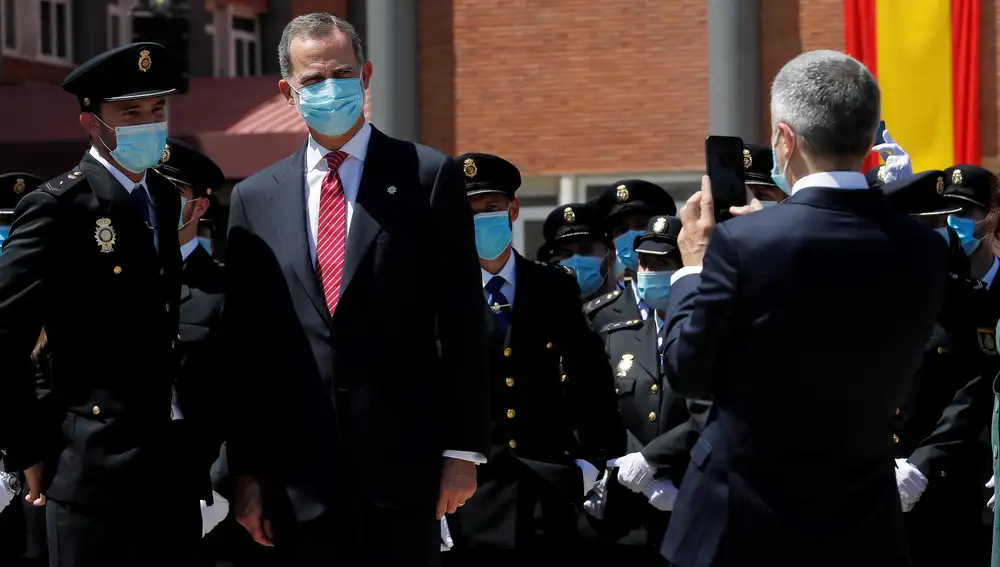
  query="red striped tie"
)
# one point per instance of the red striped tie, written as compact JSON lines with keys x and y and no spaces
{"x":332,"y":233}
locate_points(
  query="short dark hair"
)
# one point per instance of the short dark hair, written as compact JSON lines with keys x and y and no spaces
{"x":313,"y":26}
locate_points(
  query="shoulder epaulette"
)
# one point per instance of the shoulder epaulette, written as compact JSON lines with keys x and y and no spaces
{"x":596,"y":304}
{"x":630,"y":324}
{"x":64,"y":182}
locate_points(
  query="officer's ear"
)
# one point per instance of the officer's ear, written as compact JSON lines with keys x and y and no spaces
{"x":200,"y":208}
{"x":286,"y":90}
{"x":366,"y":74}
{"x":515,"y":209}
{"x":90,"y":124}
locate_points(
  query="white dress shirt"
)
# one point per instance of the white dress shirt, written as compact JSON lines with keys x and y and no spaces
{"x":992,"y":273}
{"x":508,"y":273}
{"x":316,"y":168}
{"x":129,"y":186}
{"x":850,"y":180}
{"x":189,"y":247}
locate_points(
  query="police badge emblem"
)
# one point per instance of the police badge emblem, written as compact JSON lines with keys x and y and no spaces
{"x":144,"y":61}
{"x":105,"y":235}
{"x":165,"y":154}
{"x":987,"y":340}
{"x":622,"y":193}
{"x":659,"y":225}
{"x":747,"y":159}
{"x":956,"y":177}
{"x":569,"y":215}
{"x":939,"y":187}
{"x":469,"y":167}
{"x":625,"y":364}
{"x":19,"y":185}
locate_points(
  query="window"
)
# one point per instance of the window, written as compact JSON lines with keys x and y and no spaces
{"x":119,"y":23}
{"x":8,"y":31}
{"x":528,"y":226}
{"x":55,"y":31}
{"x":245,"y":60}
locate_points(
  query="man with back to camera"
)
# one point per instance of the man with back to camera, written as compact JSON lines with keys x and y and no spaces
{"x":93,"y":257}
{"x":793,"y":320}
{"x":363,"y":247}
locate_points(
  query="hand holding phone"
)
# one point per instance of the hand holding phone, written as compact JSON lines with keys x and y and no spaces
{"x":724,"y":164}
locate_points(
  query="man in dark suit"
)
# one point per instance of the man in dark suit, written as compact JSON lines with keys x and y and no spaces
{"x":355,"y":314}
{"x":93,"y":257}
{"x":793,"y":320}
{"x":554,"y":418}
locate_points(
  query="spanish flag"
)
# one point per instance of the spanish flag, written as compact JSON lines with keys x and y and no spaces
{"x":925,"y":55}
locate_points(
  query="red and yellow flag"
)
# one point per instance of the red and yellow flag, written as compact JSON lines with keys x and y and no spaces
{"x":925,"y":55}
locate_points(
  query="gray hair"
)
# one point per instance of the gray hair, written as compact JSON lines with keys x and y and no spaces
{"x":314,"y":26}
{"x":831,"y":102}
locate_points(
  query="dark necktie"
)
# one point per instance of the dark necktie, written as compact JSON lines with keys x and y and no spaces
{"x":498,"y":303}
{"x":141,"y":200}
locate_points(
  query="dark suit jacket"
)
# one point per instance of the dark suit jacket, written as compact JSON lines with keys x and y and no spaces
{"x":807,"y":324}
{"x":355,"y":399}
{"x":111,"y":321}
{"x":551,"y":403}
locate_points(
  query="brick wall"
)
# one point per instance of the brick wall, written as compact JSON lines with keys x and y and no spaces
{"x":22,"y":71}
{"x":562,"y":86}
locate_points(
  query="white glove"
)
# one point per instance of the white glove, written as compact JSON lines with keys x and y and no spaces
{"x":212,"y":515}
{"x":991,"y":483}
{"x":6,"y":497}
{"x":446,"y":541}
{"x":590,"y":474}
{"x":897,"y":161}
{"x":910,"y":482}
{"x":598,"y":498}
{"x":634,"y":472}
{"x":662,"y":495}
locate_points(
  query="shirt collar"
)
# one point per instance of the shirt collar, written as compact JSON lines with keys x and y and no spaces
{"x":507,"y":272}
{"x":991,"y":275}
{"x":834,"y":179}
{"x":127,"y":183}
{"x":189,"y":247}
{"x":356,"y":147}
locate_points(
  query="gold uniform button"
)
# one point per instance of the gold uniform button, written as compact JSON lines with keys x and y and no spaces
{"x":943,"y":474}
{"x":512,"y":444}
{"x":178,"y":337}
{"x":563,"y":378}
{"x":117,"y":270}
{"x":617,"y":391}
{"x":96,"y":410}
{"x":506,"y":351}
{"x":895,"y":438}
{"x":940,"y":350}
{"x":168,"y":308}
{"x":652,"y":416}
{"x":548,"y":345}
{"x":510,"y":382}
{"x":510,"y":414}
{"x":162,"y":271}
{"x":654,"y":388}
{"x":898,"y":411}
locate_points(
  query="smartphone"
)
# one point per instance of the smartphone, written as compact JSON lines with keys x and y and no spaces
{"x":724,"y":163}
{"x":878,"y":134}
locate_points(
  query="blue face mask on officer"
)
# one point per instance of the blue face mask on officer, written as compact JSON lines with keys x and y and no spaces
{"x":654,"y":288}
{"x":4,"y":230}
{"x":587,"y":270}
{"x":625,"y":250}
{"x":965,"y":228}
{"x":184,"y":202}
{"x":333,"y":106}
{"x":138,"y":147}
{"x":493,"y":234}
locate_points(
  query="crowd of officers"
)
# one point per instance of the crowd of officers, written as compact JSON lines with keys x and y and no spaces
{"x":590,"y":444}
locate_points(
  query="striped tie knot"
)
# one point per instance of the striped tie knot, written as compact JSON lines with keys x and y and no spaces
{"x":335,"y":159}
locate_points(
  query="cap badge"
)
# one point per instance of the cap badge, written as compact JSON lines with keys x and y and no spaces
{"x":956,"y":177}
{"x":469,"y":167}
{"x":165,"y":154}
{"x":622,"y":192}
{"x":659,"y":225}
{"x":144,"y":61}
{"x":747,"y":159}
{"x":625,"y":364}
{"x":881,"y":174}
{"x":86,"y":101}
{"x":940,"y":185}
{"x":19,"y":185}
{"x":105,"y":235}
{"x":569,"y":215}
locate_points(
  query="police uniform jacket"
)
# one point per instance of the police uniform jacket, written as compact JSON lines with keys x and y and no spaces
{"x":613,"y":307}
{"x":531,"y":482}
{"x":81,"y":261}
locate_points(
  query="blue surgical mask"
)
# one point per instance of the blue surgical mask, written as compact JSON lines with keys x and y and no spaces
{"x":625,"y":249}
{"x":966,"y":231}
{"x":333,"y":106}
{"x":588,"y":273}
{"x":4,"y":230}
{"x":206,"y":243}
{"x":778,"y":174}
{"x":493,"y":234}
{"x":180,"y":222}
{"x":654,"y":288}
{"x":943,"y":231}
{"x":139,"y":147}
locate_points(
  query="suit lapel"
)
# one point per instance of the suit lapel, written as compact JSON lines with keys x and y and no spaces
{"x":367,"y":208}
{"x":647,"y":354}
{"x":288,"y":201}
{"x":116,"y":204}
{"x":166,"y":203}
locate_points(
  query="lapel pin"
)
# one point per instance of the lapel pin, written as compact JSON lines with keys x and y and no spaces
{"x":391,"y":190}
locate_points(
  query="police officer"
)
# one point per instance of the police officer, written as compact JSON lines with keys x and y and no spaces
{"x":970,"y":187}
{"x":757,"y":164}
{"x":93,"y":256}
{"x":548,"y":449}
{"x":938,"y":423}
{"x":13,"y":186}
{"x":626,"y":207}
{"x":574,"y":239}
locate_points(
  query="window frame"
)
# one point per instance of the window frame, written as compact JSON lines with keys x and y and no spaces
{"x":4,"y":49}
{"x":244,"y":36}
{"x":121,"y":9}
{"x":53,"y":58}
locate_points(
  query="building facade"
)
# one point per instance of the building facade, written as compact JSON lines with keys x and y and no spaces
{"x":576,"y":93}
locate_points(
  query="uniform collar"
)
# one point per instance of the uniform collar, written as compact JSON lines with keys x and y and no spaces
{"x":508,"y":271}
{"x":127,"y":183}
{"x":189,"y":247}
{"x":356,"y":147}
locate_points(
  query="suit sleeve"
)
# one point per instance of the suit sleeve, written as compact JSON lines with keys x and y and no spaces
{"x":592,"y":393}
{"x":25,"y":273}
{"x":698,"y":312}
{"x":670,"y":451}
{"x":461,"y":321}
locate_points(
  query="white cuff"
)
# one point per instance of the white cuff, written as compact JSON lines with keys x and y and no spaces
{"x":590,"y":474}
{"x":686,"y":270}
{"x":478,"y":458}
